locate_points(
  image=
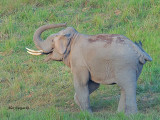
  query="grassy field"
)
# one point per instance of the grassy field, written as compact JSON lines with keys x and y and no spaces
{"x":47,"y":88}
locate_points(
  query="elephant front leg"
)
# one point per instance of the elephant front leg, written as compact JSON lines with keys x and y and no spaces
{"x":81,"y":78}
{"x":92,"y":86}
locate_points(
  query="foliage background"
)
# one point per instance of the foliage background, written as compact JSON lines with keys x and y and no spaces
{"x":47,"y":88}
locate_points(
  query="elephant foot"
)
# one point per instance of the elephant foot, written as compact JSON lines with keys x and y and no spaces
{"x":130,"y":110}
{"x":120,"y":110}
{"x":77,"y":102}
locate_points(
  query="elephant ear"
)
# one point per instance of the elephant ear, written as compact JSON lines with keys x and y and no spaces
{"x":61,"y":43}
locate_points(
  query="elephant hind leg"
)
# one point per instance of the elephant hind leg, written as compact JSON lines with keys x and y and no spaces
{"x":127,"y":82}
{"x":76,"y":100}
{"x":130,"y":93}
{"x":121,"y":106}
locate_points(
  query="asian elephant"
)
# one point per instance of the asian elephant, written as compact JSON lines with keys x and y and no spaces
{"x":95,"y":59}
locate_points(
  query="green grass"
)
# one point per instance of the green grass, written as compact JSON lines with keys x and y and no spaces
{"x":47,"y":88}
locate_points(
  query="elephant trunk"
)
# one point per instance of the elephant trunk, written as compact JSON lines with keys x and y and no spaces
{"x":44,"y":45}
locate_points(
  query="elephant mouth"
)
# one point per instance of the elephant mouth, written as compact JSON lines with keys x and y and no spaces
{"x":38,"y":52}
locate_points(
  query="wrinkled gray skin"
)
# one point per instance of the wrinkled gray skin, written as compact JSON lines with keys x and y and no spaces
{"x":94,"y":60}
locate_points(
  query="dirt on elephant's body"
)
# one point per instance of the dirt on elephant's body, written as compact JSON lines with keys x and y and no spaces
{"x":107,"y":38}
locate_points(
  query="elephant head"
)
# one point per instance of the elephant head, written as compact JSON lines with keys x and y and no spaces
{"x":55,"y":46}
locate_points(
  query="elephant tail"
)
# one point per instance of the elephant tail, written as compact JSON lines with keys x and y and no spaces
{"x":143,"y":56}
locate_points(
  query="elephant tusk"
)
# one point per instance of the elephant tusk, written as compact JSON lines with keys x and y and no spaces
{"x":34,"y":51}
